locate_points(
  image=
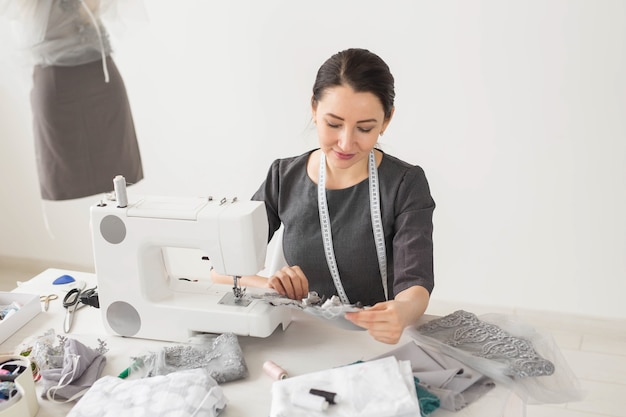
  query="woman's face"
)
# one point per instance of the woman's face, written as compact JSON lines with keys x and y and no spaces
{"x":348,"y":125}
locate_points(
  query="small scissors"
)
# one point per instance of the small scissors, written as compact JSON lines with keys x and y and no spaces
{"x":46,"y":300}
{"x":72,"y":302}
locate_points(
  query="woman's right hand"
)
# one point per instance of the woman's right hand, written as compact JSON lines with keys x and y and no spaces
{"x":290,"y":281}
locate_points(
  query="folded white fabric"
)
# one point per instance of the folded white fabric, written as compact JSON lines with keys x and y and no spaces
{"x":184,"y":393}
{"x":379,"y":388}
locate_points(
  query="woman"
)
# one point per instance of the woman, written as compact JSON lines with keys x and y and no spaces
{"x":357,"y":222}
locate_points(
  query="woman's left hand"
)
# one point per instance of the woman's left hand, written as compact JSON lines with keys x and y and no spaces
{"x":386,"y":321}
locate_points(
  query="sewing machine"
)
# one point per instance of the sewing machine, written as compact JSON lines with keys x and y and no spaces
{"x":138,"y":294}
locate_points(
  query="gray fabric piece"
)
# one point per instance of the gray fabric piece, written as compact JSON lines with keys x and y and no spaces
{"x":82,"y":366}
{"x":463,"y":379}
{"x":406,"y":208}
{"x":478,"y":389}
{"x":455,"y":384}
{"x":448,"y":400}
{"x":84,"y":130}
{"x":437,"y":378}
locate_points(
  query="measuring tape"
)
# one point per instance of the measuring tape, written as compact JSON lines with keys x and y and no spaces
{"x":377,"y":226}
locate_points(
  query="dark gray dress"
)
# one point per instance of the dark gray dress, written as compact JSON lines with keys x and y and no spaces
{"x":406,"y":208}
{"x":83,"y":126}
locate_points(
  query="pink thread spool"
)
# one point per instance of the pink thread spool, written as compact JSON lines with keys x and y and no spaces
{"x":275,"y":371}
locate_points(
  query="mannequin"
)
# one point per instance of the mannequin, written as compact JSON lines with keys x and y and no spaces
{"x":82,"y":122}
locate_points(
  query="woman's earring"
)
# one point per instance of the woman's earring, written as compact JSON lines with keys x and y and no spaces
{"x":382,"y":133}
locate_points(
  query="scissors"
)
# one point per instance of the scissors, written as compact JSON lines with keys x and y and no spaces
{"x":73,"y":302}
{"x":46,"y":300}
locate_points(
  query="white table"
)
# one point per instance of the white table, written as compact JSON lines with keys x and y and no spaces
{"x":309,"y":344}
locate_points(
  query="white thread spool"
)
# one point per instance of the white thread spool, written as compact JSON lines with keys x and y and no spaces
{"x":309,"y":401}
{"x":119,"y":185}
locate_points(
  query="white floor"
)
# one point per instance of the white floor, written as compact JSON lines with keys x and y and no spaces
{"x":594,"y":349}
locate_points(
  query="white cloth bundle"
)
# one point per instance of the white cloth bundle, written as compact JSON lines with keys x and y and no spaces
{"x":184,"y":393}
{"x":380,"y":388}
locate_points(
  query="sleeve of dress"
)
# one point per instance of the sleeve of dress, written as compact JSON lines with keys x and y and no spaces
{"x":412,"y":242}
{"x":268,"y":192}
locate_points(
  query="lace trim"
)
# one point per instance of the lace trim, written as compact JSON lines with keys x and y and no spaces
{"x":327,"y":308}
{"x":465,"y":331}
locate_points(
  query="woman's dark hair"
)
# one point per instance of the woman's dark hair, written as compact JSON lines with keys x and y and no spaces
{"x":360,"y":69}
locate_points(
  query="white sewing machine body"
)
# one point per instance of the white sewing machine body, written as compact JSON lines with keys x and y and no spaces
{"x":140,"y":298}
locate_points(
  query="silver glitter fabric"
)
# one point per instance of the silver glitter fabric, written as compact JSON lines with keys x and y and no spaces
{"x":327,"y":308}
{"x":48,"y":350}
{"x":465,"y":331}
{"x":220,"y":356}
{"x":331,"y":309}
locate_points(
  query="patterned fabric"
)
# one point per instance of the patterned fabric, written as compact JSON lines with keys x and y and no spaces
{"x":220,"y":356}
{"x":465,"y":331}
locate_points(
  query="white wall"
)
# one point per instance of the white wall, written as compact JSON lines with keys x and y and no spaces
{"x":515,"y":109}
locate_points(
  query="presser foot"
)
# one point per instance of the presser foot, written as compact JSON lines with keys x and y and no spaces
{"x":230,"y":300}
{"x":236,"y":298}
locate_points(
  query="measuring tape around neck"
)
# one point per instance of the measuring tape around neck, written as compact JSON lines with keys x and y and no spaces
{"x":377,"y":225}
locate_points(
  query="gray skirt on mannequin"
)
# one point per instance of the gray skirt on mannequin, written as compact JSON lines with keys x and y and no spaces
{"x":83,"y":129}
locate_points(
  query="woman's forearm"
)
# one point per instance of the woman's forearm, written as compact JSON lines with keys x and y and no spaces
{"x":245,"y":281}
{"x":415,"y":301}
